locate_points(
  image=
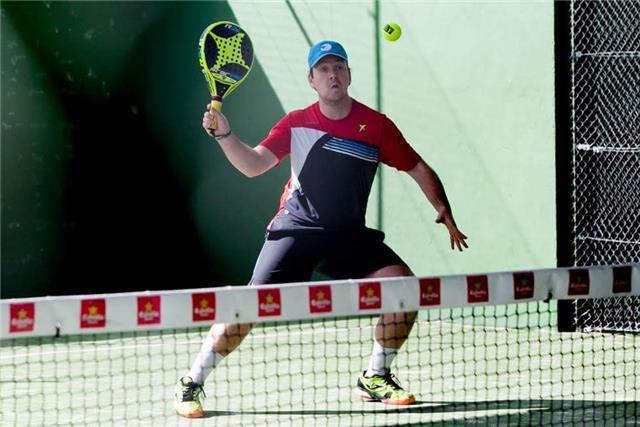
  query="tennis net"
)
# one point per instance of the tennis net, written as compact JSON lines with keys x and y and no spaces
{"x":484,"y":349}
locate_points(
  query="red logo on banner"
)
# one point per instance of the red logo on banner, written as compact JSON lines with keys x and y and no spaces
{"x":93,"y":313}
{"x":477,"y":288}
{"x":523,"y":285}
{"x":579,"y":282}
{"x":23,"y":317}
{"x":622,"y":279}
{"x":148,"y":310}
{"x":203,"y":306}
{"x":370,"y":296}
{"x":429,"y":292}
{"x":269,"y":302}
{"x":320,"y":299}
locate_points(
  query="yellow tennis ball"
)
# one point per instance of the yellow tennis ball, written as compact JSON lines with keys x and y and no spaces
{"x":392,"y":31}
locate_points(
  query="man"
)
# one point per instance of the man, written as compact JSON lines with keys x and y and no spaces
{"x":335,"y":147}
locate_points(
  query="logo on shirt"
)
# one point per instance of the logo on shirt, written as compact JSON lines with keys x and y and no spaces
{"x":203,"y":306}
{"x":578,"y":281}
{"x":269,"y":302}
{"x":148,"y":310}
{"x":320,"y":299}
{"x":523,"y":285}
{"x":429,"y":292}
{"x":22,"y":317}
{"x":362,"y":128}
{"x":370,"y":296}
{"x":477,"y":288}
{"x":93,"y":313}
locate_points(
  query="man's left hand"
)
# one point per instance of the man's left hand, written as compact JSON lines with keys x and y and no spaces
{"x":456,"y":236}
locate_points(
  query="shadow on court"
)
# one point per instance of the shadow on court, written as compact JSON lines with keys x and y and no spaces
{"x":503,"y":412}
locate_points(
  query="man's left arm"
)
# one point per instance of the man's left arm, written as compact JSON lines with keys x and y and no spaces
{"x":432,"y":187}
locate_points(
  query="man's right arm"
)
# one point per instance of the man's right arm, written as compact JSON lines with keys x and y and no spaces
{"x":250,"y":161}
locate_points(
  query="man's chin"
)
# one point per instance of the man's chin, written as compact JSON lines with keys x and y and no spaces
{"x":336,"y":96}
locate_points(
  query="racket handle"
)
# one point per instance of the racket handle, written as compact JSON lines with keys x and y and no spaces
{"x":216,"y":104}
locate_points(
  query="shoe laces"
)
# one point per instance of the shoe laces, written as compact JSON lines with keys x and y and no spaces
{"x":190,"y":391}
{"x":393,"y":381}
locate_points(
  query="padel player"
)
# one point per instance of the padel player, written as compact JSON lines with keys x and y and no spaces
{"x":335,"y":146}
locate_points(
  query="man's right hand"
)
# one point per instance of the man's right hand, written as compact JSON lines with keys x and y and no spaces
{"x":215,"y":118}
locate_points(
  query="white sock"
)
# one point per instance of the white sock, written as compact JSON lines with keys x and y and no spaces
{"x":380,"y":361}
{"x":205,"y":362}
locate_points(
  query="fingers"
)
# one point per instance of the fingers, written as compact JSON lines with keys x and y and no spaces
{"x":214,"y":120}
{"x":209,"y":122}
{"x":455,"y":242}
{"x":460,"y":243}
{"x":456,"y":237}
{"x":458,"y":240}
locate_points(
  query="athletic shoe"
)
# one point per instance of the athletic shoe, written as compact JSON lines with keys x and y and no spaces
{"x":383,"y":388}
{"x":188,"y":398}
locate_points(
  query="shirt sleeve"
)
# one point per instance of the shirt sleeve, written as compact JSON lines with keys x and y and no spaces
{"x":395,"y":150}
{"x":278,"y":141}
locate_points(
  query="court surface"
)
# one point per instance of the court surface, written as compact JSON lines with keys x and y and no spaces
{"x":302,"y":373}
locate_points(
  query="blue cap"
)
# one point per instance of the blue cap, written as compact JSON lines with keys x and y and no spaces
{"x":325,"y":48}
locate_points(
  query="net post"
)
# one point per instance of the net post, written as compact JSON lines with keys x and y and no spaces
{"x":564,"y":165}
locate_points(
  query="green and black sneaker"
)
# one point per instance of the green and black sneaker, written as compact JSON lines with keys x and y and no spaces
{"x":383,"y":388}
{"x":188,"y":398}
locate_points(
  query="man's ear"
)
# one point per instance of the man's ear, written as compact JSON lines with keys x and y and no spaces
{"x":310,"y":80}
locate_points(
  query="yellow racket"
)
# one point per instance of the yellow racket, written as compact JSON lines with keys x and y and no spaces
{"x":226,"y":56}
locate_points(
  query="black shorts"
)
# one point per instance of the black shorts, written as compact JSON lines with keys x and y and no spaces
{"x":339,"y":255}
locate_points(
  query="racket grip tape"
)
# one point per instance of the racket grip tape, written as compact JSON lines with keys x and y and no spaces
{"x":216,"y":104}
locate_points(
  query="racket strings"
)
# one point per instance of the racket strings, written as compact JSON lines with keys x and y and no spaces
{"x":230,"y":52}
{"x":226,"y":57}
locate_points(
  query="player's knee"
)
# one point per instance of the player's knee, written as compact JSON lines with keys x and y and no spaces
{"x":245,"y":328}
{"x":240,"y":330}
{"x":231,"y":330}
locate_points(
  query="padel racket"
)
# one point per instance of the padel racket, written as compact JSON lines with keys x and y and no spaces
{"x":226,"y":57}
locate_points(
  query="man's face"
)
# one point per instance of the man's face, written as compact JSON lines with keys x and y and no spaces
{"x":331,"y":78}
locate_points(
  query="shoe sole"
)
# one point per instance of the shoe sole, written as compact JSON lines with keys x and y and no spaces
{"x":192,"y":415}
{"x":366,"y":397}
{"x":404,"y":402}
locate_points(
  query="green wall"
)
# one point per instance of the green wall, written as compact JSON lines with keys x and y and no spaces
{"x":470,"y":84}
{"x":109,"y":182}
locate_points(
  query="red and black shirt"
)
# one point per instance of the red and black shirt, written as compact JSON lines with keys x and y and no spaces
{"x":333,"y":164}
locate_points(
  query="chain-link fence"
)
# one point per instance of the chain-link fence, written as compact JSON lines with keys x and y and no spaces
{"x":605,"y":92}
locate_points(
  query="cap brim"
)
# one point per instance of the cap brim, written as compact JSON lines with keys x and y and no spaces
{"x":325,"y":55}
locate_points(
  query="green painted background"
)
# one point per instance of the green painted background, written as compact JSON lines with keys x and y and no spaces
{"x":109,"y":183}
{"x":470,"y":84}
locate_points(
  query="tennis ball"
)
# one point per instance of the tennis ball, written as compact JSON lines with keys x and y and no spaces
{"x":392,"y":31}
